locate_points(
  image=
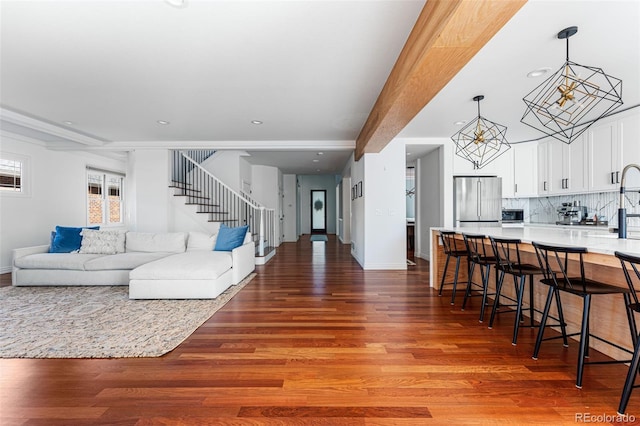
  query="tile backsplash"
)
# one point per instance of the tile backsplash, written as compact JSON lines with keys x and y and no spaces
{"x":604,"y":204}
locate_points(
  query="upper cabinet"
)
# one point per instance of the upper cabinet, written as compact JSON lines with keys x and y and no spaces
{"x":605,"y":156}
{"x":613,"y":143}
{"x":525,"y":171}
{"x":567,"y":167}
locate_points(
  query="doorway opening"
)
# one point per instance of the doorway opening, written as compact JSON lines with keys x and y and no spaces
{"x":318,"y":211}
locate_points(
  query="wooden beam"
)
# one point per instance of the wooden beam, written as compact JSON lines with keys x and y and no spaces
{"x":447,"y":34}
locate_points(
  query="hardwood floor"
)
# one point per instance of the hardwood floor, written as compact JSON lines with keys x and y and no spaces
{"x":314,"y":339}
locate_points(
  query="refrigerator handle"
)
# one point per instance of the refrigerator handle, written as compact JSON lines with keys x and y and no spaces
{"x":479,"y":205}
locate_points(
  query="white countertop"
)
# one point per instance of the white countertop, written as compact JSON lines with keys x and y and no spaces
{"x":595,"y":239}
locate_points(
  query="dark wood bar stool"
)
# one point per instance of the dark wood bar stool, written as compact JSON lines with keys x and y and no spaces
{"x":509,"y":262}
{"x":482,"y":257}
{"x":555,"y":262}
{"x":631,"y":269}
{"x":452,"y":248}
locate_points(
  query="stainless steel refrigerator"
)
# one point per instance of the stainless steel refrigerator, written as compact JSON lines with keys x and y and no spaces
{"x":477,"y":201}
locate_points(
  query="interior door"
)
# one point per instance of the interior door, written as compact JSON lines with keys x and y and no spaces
{"x":318,"y":211}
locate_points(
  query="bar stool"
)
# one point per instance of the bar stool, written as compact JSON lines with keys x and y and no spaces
{"x":631,"y":268}
{"x":554,"y":261}
{"x":480,"y":256}
{"x":509,"y":262}
{"x":451,"y":249}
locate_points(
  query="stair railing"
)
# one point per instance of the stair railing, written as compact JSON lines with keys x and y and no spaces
{"x":221,"y":202}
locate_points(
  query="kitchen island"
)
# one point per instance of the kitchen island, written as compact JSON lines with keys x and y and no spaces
{"x":608,"y":314}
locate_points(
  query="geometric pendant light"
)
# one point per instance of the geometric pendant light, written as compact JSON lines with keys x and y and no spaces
{"x":481,"y":141}
{"x":572,"y":99}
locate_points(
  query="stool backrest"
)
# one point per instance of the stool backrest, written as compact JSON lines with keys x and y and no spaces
{"x":630,"y":267}
{"x":449,"y":242}
{"x":554,"y":262}
{"x":507,"y":251}
{"x":475,"y":246}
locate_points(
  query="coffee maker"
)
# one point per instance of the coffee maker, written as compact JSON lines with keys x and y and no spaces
{"x":571,"y":214}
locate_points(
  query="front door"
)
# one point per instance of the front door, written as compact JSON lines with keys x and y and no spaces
{"x":318,"y":211}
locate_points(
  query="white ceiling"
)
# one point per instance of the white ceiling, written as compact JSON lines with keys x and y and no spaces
{"x":309,"y":70}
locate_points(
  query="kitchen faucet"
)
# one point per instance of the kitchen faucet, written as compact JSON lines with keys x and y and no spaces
{"x":622,"y":212}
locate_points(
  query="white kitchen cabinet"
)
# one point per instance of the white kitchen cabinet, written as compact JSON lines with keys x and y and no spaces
{"x":605,"y":156}
{"x":525,"y":170}
{"x":567,"y":167}
{"x":629,"y":137}
{"x":543,"y":168}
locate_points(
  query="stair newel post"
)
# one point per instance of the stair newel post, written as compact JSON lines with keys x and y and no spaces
{"x":262,"y":220}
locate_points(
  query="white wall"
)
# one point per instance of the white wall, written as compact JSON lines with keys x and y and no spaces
{"x":290,"y":208}
{"x":385,"y":208}
{"x":58,"y":195}
{"x":345,"y":236}
{"x":320,"y":182}
{"x":149,"y":173}
{"x":358,"y":247}
{"x":266,"y":182}
{"x":226,"y":166}
{"x":430,"y":209}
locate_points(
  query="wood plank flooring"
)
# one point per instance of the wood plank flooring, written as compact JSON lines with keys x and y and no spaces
{"x":314,"y":339}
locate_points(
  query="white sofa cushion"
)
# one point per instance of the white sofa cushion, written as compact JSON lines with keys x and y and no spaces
{"x":126,"y":261}
{"x":172,"y":242}
{"x":194,"y":265}
{"x":102,"y":241}
{"x":73,"y":261}
{"x":201,"y":241}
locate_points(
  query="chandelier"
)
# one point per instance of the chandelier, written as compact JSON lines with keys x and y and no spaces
{"x":481,"y":141}
{"x":572,"y":99}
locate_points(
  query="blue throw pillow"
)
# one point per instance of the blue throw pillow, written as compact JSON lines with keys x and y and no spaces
{"x":230,"y":238}
{"x":67,"y":239}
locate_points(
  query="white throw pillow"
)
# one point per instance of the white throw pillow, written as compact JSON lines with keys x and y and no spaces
{"x":102,"y":241}
{"x":201,"y":241}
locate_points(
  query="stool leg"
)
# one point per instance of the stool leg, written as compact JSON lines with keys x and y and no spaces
{"x":455,"y":279}
{"x":543,"y":321}
{"x":584,"y":338}
{"x":444,"y":274}
{"x":631,"y":377}
{"x":485,"y":290}
{"x":516,"y":323}
{"x":531,"y":301}
{"x":496,"y":302}
{"x":631,"y":319}
{"x":467,"y":293}
{"x":563,"y":325}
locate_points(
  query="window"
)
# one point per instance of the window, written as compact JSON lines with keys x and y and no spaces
{"x":105,"y":204}
{"x":13,"y":174}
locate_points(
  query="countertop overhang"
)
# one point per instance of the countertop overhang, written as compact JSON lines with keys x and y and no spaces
{"x":594,"y":239}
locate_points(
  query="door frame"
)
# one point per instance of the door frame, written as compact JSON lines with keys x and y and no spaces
{"x":317,"y":230}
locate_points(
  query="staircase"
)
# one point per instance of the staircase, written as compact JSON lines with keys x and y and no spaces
{"x":217,"y":202}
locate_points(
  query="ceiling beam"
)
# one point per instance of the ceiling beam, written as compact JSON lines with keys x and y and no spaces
{"x":447,"y":34}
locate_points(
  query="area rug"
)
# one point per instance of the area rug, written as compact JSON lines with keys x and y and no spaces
{"x":97,"y":322}
{"x":317,"y":237}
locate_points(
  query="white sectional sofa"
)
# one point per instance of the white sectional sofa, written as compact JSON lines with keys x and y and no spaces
{"x":154,"y":265}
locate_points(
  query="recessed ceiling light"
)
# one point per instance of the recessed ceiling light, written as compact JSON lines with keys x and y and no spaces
{"x":317,"y":170}
{"x":460,"y":123}
{"x":539,"y":72}
{"x":256,"y":122}
{"x":68,"y":123}
{"x":177,"y":3}
{"x":315,"y":161}
{"x":320,"y":153}
{"x":408,"y":153}
{"x":163,"y":122}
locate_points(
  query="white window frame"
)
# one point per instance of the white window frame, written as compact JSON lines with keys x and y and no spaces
{"x":25,"y":176}
{"x":105,"y":196}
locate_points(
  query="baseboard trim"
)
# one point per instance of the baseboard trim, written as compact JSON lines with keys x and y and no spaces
{"x":5,"y":269}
